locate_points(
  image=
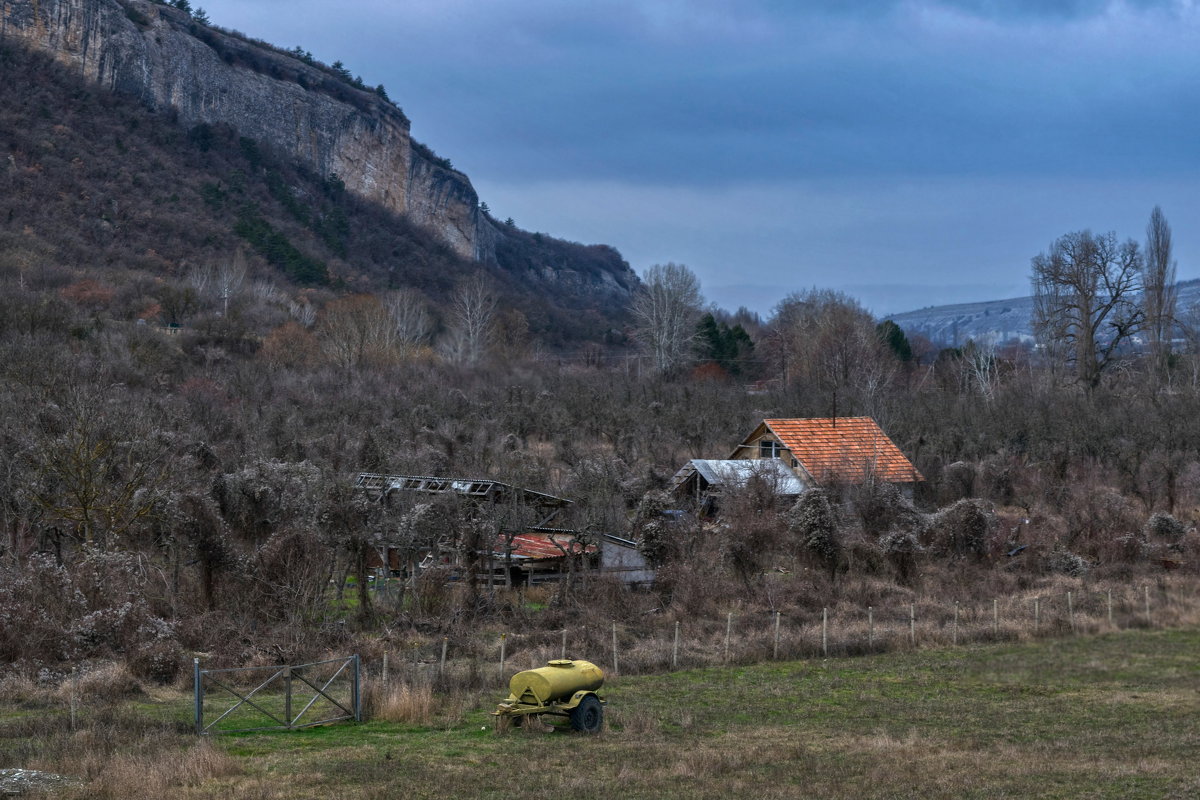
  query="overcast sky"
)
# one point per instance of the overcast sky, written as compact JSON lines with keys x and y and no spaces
{"x":908,"y":153}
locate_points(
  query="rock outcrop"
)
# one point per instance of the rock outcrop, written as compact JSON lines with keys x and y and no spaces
{"x":204,"y":75}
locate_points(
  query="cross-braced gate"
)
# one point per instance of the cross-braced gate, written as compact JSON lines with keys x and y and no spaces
{"x":286,"y":698}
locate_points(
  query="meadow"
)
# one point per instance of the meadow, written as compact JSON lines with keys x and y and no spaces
{"x":1113,"y":715}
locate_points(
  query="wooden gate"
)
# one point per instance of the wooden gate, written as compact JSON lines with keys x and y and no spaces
{"x":244,"y":699}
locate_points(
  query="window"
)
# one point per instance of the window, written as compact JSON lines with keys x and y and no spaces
{"x":769,"y":449}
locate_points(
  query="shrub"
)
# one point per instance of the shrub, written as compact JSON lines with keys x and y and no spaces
{"x":813,"y":522}
{"x":962,"y":529}
{"x":1165,"y":526}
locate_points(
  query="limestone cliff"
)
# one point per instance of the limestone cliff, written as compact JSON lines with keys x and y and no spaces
{"x":203,"y":75}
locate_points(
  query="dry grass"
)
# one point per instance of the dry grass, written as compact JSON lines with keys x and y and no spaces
{"x":401,"y":703}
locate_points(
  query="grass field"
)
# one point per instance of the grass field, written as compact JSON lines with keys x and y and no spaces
{"x":1110,"y":716}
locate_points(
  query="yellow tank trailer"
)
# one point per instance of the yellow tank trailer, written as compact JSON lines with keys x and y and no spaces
{"x":562,"y":688}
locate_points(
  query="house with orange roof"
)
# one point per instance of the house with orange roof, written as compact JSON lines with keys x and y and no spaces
{"x":831,"y":450}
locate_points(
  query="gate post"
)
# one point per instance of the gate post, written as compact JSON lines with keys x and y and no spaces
{"x":198,"y":692}
{"x":357,"y":687}
{"x":287,"y":695}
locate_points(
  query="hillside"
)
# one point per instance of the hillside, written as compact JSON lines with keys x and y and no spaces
{"x":173,"y":169}
{"x":995,"y":320}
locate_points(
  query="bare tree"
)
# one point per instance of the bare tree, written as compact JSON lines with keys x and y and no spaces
{"x":411,"y":321}
{"x":229,"y":277}
{"x":1085,"y":299}
{"x":667,"y":308}
{"x":472,"y":316}
{"x":356,"y":330}
{"x":1159,"y":292}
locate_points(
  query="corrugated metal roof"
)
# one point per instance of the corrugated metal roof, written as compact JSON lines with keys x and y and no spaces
{"x":539,"y":546}
{"x":727,"y":473}
{"x":844,"y":449}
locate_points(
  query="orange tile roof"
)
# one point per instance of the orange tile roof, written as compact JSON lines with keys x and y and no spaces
{"x":845,"y":449}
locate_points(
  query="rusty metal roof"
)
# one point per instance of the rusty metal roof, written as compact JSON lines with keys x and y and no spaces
{"x":538,"y":545}
{"x":843,"y":449}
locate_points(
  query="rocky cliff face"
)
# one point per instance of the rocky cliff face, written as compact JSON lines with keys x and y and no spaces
{"x":202,"y":75}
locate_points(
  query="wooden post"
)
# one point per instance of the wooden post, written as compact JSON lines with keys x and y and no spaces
{"x":287,"y":696}
{"x":564,"y":645}
{"x":385,"y":669}
{"x":614,"y":631}
{"x":1037,"y":614}
{"x":954,"y":634}
{"x":199,"y":696}
{"x":503,"y":643}
{"x":1146,"y":594}
{"x":75,"y":694}
{"x":775,"y":651}
{"x":1071,"y":612}
{"x":1110,"y":616}
{"x":870,"y":628}
{"x":825,"y":632}
{"x":995,"y":618}
{"x":442,"y":663}
{"x":912,"y":624}
{"x":728,"y":631}
{"x":675,"y":648}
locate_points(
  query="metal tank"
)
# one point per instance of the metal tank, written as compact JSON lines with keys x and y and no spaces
{"x":562,"y":688}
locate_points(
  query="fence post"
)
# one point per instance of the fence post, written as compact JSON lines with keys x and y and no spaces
{"x":445,"y":647}
{"x":385,"y":669}
{"x":503,"y":643}
{"x":614,"y":631}
{"x":825,"y":632}
{"x":357,"y":688}
{"x":287,"y":695}
{"x":728,"y":631}
{"x":74,"y":695}
{"x":564,"y":644}
{"x":1071,"y":612}
{"x":775,"y":651}
{"x":1146,"y":594}
{"x":870,"y":628}
{"x":912,"y":624}
{"x":675,"y":648}
{"x":1110,"y":616}
{"x":995,"y":618}
{"x":199,"y":696}
{"x":1037,"y":614}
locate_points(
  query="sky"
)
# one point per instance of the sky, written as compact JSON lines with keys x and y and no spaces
{"x":906,"y":152}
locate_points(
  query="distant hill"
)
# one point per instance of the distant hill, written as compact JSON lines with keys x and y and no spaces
{"x":994,"y":321}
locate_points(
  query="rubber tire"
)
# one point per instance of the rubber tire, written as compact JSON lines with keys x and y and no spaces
{"x":588,"y":716}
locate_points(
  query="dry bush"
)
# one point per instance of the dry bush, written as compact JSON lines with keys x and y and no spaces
{"x":109,"y":682}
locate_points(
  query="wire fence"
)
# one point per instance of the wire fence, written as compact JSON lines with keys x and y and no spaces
{"x":664,"y":643}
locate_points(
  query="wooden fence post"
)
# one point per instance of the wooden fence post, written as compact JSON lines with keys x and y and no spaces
{"x":1146,"y":594}
{"x":954,"y":635}
{"x":503,"y":644}
{"x":385,"y":669}
{"x":675,"y":648}
{"x":775,"y":651}
{"x":1037,"y":614}
{"x":442,"y":664}
{"x":1110,"y":614}
{"x":870,"y":628}
{"x":912,"y":624}
{"x":995,"y":618}
{"x":614,"y":632}
{"x":1071,"y":612}
{"x":564,"y":645}
{"x":825,"y":632}
{"x":728,"y":630}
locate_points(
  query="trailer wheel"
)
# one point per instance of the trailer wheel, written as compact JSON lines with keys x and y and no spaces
{"x":588,"y":716}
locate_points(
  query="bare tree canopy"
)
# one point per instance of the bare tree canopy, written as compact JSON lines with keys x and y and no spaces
{"x":1085,"y":299}
{"x":1159,"y":290}
{"x":667,"y":309}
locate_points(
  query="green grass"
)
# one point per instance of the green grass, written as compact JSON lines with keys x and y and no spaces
{"x":1109,"y":716}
